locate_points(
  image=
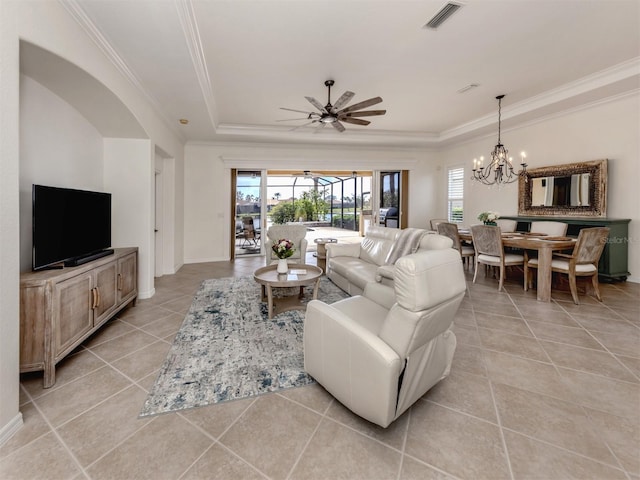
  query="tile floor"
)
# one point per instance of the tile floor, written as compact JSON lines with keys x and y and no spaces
{"x":537,"y":391}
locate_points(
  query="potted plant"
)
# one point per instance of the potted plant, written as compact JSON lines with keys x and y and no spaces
{"x":283,"y":249}
{"x":489,"y":218}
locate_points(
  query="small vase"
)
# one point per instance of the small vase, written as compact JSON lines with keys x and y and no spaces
{"x":493,"y":224}
{"x":283,"y":266}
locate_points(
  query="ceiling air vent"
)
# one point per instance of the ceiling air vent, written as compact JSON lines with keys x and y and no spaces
{"x":444,"y":13}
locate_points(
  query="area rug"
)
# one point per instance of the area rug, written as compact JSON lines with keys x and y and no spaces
{"x":227,"y":348}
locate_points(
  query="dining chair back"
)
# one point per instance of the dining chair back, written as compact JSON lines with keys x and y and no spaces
{"x":556,"y":229}
{"x":451,"y":230}
{"x":582,"y":262}
{"x":506,"y":225}
{"x":487,"y":242}
{"x":435,"y":221}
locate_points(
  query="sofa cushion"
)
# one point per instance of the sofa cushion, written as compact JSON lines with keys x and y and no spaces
{"x":377,"y":244}
{"x":355,"y":270}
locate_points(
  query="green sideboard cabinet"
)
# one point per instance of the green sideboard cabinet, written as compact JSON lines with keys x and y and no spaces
{"x":613,"y":264}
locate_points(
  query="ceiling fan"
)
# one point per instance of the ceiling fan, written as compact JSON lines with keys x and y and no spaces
{"x":335,"y":114}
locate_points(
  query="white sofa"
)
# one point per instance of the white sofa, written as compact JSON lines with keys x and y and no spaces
{"x":380,"y":352}
{"x":352,"y":266}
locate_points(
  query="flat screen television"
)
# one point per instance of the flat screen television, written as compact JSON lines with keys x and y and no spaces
{"x":70,"y":226}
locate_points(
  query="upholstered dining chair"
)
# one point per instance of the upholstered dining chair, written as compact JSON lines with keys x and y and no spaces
{"x":487,"y":242}
{"x":295,"y":234}
{"x":582,"y":262}
{"x":451,"y":230}
{"x":506,"y":225}
{"x":379,"y":352}
{"x":556,"y":229}
{"x":435,"y":221}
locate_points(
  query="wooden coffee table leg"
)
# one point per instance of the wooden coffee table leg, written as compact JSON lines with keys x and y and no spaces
{"x":315,"y":289}
{"x":270,"y":301}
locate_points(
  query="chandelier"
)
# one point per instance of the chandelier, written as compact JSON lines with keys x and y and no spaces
{"x":500,"y":167}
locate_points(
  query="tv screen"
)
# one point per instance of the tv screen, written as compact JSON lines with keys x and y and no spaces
{"x":69,"y":225}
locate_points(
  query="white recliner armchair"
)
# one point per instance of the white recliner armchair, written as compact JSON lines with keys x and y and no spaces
{"x":295,"y":234}
{"x":380,"y":352}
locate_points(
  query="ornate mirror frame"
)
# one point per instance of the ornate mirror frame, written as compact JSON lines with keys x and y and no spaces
{"x":597,"y":190}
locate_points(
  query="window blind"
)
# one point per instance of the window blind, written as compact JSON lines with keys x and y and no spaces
{"x":455,"y":195}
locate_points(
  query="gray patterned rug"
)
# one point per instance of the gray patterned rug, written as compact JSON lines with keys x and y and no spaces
{"x":228,"y":349}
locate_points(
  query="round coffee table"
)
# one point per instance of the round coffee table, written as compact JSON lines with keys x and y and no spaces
{"x":269,"y":278}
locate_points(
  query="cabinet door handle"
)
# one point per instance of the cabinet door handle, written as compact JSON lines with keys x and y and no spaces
{"x":119,"y":281}
{"x":94,"y":298}
{"x":99,"y":299}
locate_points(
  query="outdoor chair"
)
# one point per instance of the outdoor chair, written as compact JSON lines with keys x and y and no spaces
{"x":582,"y":262}
{"x":249,"y":233}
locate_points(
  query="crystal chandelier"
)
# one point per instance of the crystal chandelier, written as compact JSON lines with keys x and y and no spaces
{"x":500,"y":167}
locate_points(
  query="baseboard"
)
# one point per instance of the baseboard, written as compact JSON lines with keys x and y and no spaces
{"x":145,"y":295}
{"x":206,"y":260}
{"x":11,"y":428}
{"x":633,"y":279}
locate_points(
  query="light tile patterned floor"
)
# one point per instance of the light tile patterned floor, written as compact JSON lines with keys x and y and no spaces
{"x":537,"y":391}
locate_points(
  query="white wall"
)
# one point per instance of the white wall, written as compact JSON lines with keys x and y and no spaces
{"x":608,"y":130}
{"x":49,"y":25}
{"x":129,"y":171}
{"x":208,"y":183}
{"x":58,"y":147}
{"x":10,"y":417}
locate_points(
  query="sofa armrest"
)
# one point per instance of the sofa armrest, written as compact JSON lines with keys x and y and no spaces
{"x":351,"y":362}
{"x":383,"y":295}
{"x":385,"y":274}
{"x":343,"y":250}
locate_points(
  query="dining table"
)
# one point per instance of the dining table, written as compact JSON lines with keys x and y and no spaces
{"x":545,"y":246}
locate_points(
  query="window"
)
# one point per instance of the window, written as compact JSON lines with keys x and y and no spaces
{"x":455,"y":194}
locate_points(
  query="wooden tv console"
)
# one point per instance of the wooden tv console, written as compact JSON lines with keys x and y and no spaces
{"x":61,"y":308}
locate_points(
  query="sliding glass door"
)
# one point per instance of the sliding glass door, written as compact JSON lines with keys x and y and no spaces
{"x":247,"y":226}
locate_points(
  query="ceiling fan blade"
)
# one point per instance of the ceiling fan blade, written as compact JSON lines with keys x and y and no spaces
{"x":290,"y":119}
{"x":338,"y":126}
{"x":316,"y":104}
{"x":355,"y":121}
{"x":364,"y":113}
{"x":303,"y":125}
{"x":298,"y":111}
{"x":361,"y":105}
{"x":343,"y":100}
{"x":319,"y":127}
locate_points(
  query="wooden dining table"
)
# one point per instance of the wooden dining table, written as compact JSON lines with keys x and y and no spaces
{"x":544,"y":245}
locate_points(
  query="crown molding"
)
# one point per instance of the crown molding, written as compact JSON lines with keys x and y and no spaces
{"x":622,"y":71}
{"x":326,"y":162}
{"x":82,"y":19}
{"x":368,"y":137}
{"x":194,"y":45}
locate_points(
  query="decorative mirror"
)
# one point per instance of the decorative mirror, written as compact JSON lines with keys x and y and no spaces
{"x":574,"y":189}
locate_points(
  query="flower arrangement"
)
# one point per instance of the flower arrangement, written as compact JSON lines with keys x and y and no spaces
{"x":283,"y":248}
{"x":488,"y":218}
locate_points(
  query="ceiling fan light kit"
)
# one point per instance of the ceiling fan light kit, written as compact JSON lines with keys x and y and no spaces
{"x":335,"y":114}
